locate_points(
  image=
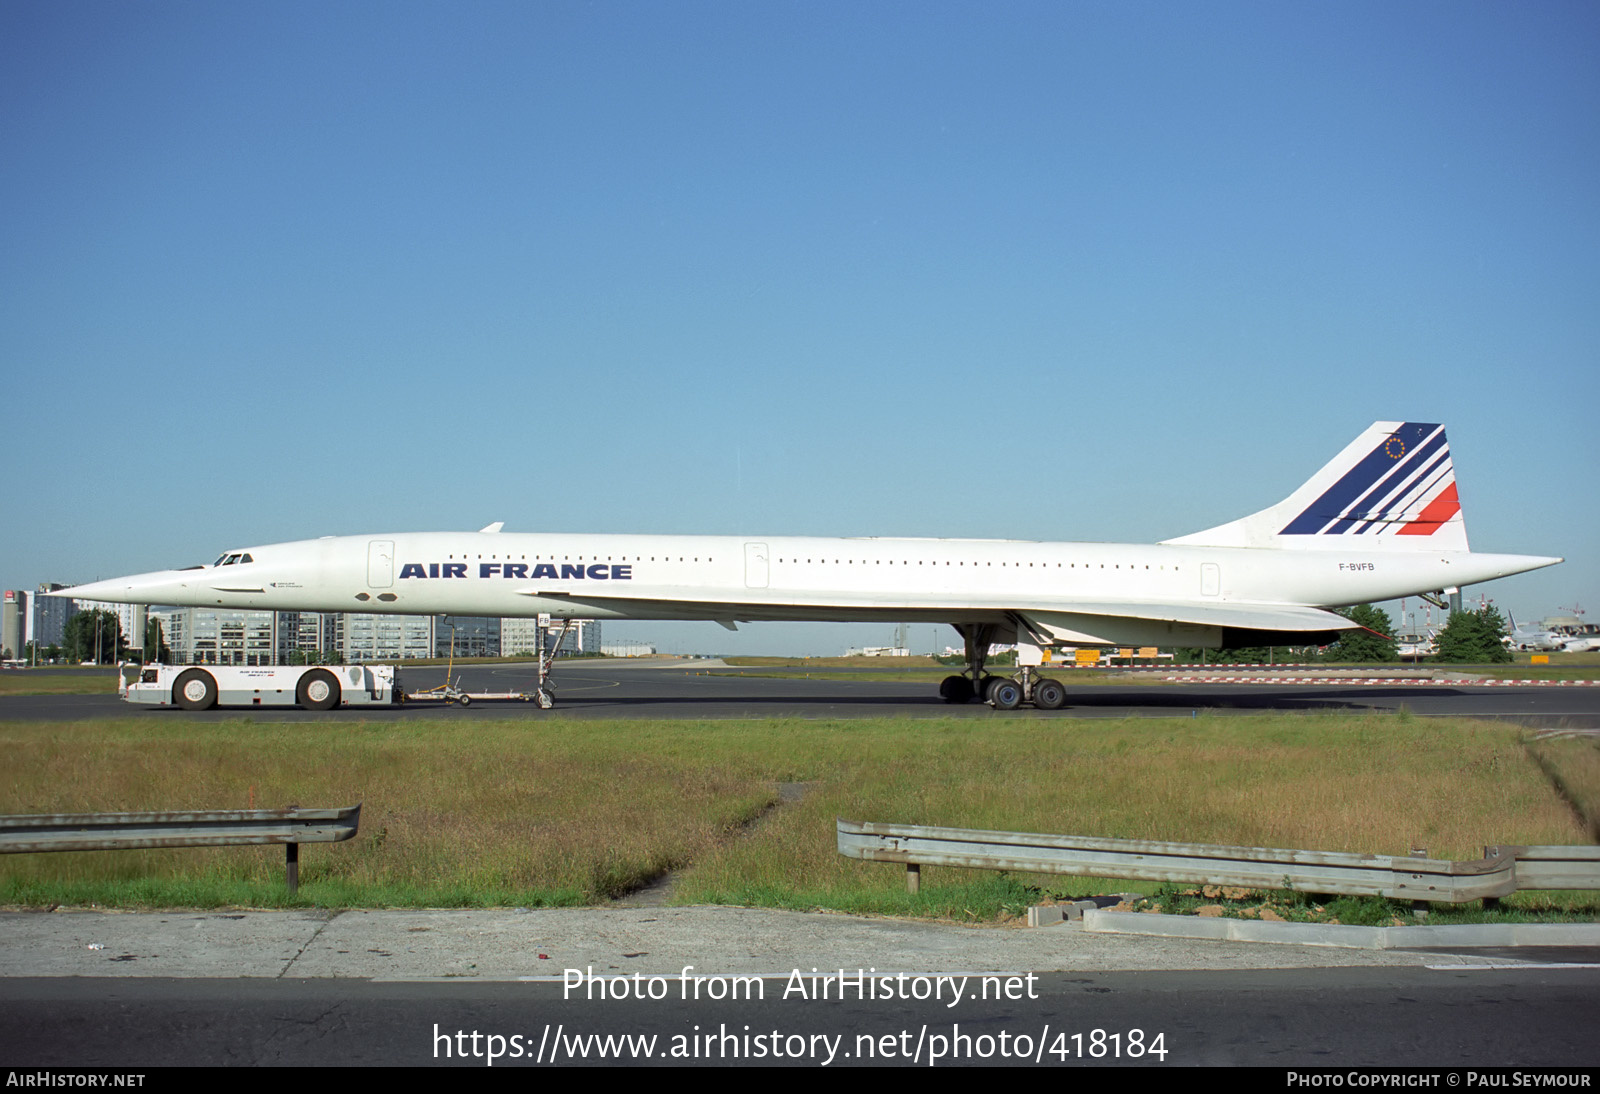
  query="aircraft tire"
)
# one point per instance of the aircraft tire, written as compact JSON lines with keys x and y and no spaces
{"x":1049,"y":695}
{"x":956,"y":689}
{"x":544,"y":699}
{"x":195,"y":690}
{"x":1005,"y":694}
{"x":318,"y":690}
{"x":465,"y":700}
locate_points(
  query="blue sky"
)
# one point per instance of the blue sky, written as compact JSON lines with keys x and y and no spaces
{"x":1042,"y":271}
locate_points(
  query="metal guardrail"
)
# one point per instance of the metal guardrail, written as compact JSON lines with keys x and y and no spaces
{"x":211,"y":828}
{"x":1502,"y":870}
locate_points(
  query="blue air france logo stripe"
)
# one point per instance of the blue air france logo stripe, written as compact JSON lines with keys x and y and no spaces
{"x":1403,"y":457}
{"x":1433,"y":478}
{"x":1394,"y":485}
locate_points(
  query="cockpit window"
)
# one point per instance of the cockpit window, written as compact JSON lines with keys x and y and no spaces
{"x":232,"y":559}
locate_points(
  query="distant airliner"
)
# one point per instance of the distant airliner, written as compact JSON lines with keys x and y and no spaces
{"x":1533,"y":636}
{"x":1379,"y":521}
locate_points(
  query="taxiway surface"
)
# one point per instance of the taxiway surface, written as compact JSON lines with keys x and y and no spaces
{"x":684,"y":688}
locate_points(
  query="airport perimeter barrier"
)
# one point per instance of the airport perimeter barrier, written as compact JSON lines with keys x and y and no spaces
{"x":213,"y":828}
{"x":1502,"y":870}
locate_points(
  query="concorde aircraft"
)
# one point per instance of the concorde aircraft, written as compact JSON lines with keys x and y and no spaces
{"x":1381,"y":520}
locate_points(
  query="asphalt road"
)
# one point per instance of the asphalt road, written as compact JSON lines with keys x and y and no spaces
{"x":1362,"y":1017}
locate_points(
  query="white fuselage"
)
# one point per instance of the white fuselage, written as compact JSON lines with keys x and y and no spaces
{"x":730,"y":578}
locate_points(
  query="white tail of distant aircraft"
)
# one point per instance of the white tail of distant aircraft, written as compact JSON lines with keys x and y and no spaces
{"x":1381,"y":520}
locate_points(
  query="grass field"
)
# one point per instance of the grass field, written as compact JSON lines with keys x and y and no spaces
{"x":1573,"y":767}
{"x":549,"y":811}
{"x":99,"y":680}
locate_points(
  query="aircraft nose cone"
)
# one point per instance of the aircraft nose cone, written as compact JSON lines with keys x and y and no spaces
{"x":94,"y":590}
{"x":134,"y":589}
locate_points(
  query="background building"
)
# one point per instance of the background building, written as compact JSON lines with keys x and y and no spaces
{"x":13,"y":622}
{"x":48,"y":618}
{"x":217,"y":636}
{"x":308,"y":636}
{"x":202,"y":636}
{"x":371,"y":636}
{"x":367,"y":636}
{"x":521,"y":636}
{"x":470,"y":636}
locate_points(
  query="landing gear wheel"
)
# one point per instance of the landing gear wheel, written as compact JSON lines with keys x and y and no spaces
{"x":318,"y":690}
{"x":465,"y":700}
{"x":195,"y":690}
{"x":1049,"y":695}
{"x":956,"y":689}
{"x":986,"y":689}
{"x":544,"y":699}
{"x":1005,"y":694}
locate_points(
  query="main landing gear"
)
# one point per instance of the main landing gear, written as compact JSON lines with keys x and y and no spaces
{"x":1000,"y":692}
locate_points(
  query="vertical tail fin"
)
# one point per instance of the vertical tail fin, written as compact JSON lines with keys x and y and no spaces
{"x":1392,"y":489}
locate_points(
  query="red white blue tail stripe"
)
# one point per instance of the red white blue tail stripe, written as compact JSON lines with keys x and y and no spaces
{"x":1393,"y":488}
{"x":1404,"y":486}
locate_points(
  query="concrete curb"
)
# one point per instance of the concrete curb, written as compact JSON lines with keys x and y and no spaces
{"x":1495,"y":935}
{"x":541,"y":944}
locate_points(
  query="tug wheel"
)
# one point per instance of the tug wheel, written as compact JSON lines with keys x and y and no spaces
{"x":318,"y":690}
{"x":195,"y":690}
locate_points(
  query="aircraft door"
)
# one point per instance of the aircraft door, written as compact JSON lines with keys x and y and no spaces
{"x":380,"y":564}
{"x":755,"y":566}
{"x":1210,"y":579}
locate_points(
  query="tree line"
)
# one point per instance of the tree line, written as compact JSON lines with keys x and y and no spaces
{"x":1470,"y":636}
{"x":96,"y":635}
